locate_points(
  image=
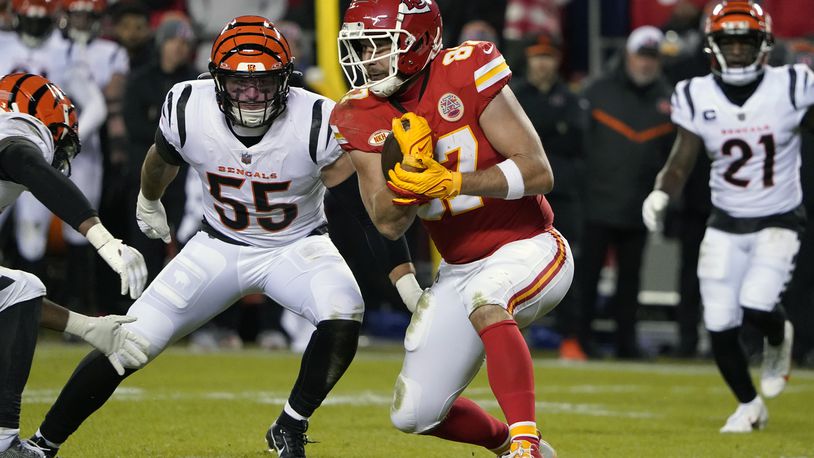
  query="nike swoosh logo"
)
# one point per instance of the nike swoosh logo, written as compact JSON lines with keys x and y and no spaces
{"x":489,"y":49}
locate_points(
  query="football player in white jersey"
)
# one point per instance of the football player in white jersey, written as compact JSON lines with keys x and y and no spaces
{"x":747,"y":117}
{"x":35,"y":47}
{"x":94,"y":70}
{"x":38,"y":139}
{"x":265,"y":154}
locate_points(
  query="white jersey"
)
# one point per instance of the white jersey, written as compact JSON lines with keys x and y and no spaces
{"x":48,"y":60}
{"x":105,"y":58}
{"x":754,"y":149}
{"x":266,"y":195}
{"x":93,"y":64}
{"x":32,"y":129}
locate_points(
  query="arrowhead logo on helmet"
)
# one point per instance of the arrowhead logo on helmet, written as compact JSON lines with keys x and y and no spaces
{"x":406,"y":34}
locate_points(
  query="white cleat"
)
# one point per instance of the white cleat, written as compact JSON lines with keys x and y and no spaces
{"x":776,"y":364}
{"x":747,"y":417}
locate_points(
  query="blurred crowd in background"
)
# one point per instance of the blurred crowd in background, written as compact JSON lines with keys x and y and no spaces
{"x":595,"y":78}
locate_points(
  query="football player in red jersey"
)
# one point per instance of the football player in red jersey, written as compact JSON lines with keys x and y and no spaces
{"x":480,"y":196}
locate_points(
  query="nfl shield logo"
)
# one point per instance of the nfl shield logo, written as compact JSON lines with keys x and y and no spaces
{"x":246,"y":158}
{"x":741,"y":116}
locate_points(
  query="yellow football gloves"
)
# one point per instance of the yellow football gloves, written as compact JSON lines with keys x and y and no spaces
{"x":406,"y":198}
{"x":414,"y":136}
{"x":436,"y":181}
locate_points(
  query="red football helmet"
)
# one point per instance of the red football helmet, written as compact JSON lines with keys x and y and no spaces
{"x":82,"y":19}
{"x":742,"y":22}
{"x":251,"y":63}
{"x":410,"y":28}
{"x":33,"y":20}
{"x":42,"y":99}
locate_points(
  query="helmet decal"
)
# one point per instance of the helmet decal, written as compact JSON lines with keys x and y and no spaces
{"x":251,"y":63}
{"x":404,"y":34}
{"x":744,"y":22}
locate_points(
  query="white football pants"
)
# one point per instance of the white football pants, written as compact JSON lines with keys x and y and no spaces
{"x":308,"y":277}
{"x":443,"y":350}
{"x":743,"y":270}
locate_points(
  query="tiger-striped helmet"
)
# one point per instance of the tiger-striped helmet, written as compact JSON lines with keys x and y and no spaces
{"x":743,"y":25}
{"x":44,"y":100}
{"x":251,"y":63}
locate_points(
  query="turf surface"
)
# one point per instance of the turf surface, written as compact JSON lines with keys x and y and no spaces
{"x":220,"y":405}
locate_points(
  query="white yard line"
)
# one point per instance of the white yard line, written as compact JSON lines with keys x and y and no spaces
{"x":365,"y":398}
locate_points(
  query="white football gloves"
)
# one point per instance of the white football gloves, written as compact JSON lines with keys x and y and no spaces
{"x":653,"y":210}
{"x":152,"y":218}
{"x":409,"y":291}
{"x":124,"y":260}
{"x":107,"y":335}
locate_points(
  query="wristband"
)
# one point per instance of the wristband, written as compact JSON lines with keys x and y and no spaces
{"x":98,"y":235}
{"x":514,"y":179}
{"x":409,"y":290}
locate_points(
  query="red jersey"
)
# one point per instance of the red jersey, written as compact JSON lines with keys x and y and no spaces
{"x":460,"y":84}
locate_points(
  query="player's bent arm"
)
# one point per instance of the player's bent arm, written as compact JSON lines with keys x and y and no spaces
{"x":160,"y":167}
{"x":512,"y":134}
{"x":22,"y":162}
{"x":682,"y":158}
{"x":104,"y":333}
{"x":390,"y":220}
{"x":392,"y":256}
{"x":156,"y":174}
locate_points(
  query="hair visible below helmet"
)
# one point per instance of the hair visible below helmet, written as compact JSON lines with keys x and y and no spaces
{"x":738,"y":19}
{"x":251,"y":54}
{"x":82,"y":19}
{"x":42,"y":99}
{"x":413,"y":28}
{"x":33,"y":20}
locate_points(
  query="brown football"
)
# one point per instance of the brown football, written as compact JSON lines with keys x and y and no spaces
{"x":391,"y":155}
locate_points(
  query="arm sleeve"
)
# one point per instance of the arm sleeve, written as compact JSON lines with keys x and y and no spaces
{"x":322,"y":144}
{"x":166,"y":150}
{"x":682,"y":106}
{"x":804,"y":88}
{"x":388,"y":253}
{"x":485,"y":72}
{"x":22,"y":162}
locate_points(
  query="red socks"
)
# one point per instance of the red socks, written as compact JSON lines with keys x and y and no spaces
{"x":467,"y":422}
{"x":511,"y":376}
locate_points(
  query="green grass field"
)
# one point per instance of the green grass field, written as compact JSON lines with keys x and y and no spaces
{"x":220,"y":405}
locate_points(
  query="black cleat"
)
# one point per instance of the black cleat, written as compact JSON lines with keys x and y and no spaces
{"x":22,"y":449}
{"x":39,"y":442}
{"x":287,"y":442}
